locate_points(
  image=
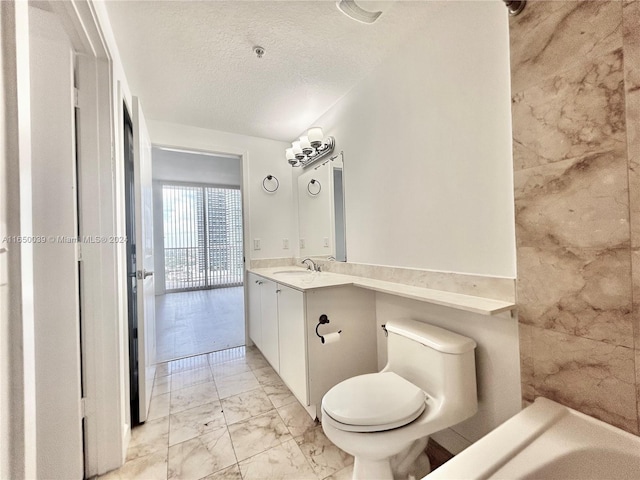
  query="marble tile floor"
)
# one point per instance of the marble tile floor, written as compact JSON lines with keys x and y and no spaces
{"x":227,"y":415}
{"x":198,"y":322}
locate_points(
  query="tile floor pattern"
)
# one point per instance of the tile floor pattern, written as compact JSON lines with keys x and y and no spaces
{"x":199,"y":321}
{"x":227,"y":415}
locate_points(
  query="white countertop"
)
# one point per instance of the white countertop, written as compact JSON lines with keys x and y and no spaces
{"x":300,"y":280}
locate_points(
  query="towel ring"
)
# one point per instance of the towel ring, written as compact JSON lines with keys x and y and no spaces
{"x":313,"y":181}
{"x":269,"y":178}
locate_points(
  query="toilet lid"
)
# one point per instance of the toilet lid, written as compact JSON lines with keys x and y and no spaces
{"x":375,"y":399}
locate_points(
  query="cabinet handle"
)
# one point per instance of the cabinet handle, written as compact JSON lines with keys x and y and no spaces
{"x":278,"y":291}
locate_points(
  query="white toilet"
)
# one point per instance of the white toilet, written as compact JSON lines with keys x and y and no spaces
{"x":384,"y":419}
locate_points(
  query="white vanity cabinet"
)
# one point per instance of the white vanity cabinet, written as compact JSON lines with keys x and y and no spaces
{"x":276,"y":326}
{"x":282,"y":323}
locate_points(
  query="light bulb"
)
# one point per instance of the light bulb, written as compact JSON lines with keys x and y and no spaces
{"x":305,"y":145}
{"x":315,"y":136}
{"x":290,"y":155}
{"x":297,"y":150}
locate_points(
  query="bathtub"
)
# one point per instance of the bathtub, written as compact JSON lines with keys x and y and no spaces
{"x":548,"y":441}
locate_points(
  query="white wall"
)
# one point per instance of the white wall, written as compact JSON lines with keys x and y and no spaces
{"x":268,"y":216}
{"x":427,"y":147}
{"x":187,"y":167}
{"x":193,"y":167}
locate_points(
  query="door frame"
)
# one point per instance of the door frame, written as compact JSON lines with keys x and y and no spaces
{"x":243,"y":156}
{"x":101,"y":299}
{"x":18,"y":388}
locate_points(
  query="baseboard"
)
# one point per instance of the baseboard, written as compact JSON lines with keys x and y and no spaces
{"x":126,"y":438}
{"x":451,"y":440}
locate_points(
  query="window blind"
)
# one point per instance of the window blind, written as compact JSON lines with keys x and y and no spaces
{"x":202,"y":237}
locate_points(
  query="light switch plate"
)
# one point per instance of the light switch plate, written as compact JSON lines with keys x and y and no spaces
{"x":285,"y":244}
{"x":256,"y":244}
{"x":302,"y":243}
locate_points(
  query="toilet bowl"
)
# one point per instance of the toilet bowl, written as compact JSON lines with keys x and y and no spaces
{"x":384,"y":419}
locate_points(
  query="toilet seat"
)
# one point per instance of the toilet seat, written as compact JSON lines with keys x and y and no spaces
{"x":374,"y":402}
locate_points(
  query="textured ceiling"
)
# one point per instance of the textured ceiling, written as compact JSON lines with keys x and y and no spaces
{"x":192,"y":62}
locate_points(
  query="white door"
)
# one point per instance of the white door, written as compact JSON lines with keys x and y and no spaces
{"x":144,"y":260}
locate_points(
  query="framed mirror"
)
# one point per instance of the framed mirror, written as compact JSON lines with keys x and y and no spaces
{"x":321,"y":212}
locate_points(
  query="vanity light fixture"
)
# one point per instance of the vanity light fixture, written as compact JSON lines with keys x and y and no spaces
{"x":309,"y":148}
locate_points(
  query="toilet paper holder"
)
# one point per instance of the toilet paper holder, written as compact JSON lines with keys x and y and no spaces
{"x":321,"y":321}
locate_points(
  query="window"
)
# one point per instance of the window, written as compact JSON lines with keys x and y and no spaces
{"x":202,"y":236}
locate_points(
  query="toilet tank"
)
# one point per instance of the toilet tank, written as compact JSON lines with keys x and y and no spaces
{"x":440,"y":362}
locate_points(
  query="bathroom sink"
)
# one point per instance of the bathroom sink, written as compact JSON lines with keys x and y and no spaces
{"x":296,"y":273}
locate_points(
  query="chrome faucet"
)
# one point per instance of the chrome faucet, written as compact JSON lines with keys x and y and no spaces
{"x":312,"y":265}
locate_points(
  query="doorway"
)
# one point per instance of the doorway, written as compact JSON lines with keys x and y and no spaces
{"x":199,"y":256}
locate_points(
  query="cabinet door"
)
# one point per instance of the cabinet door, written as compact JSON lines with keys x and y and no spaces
{"x":255,"y":313}
{"x":269,"y":309}
{"x":293,"y":351}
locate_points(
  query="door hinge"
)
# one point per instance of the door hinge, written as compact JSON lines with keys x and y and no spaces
{"x":83,"y":407}
{"x":79,"y":250}
{"x":76,"y":97}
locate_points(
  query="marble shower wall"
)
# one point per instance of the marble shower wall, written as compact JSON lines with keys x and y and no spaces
{"x":575,"y":69}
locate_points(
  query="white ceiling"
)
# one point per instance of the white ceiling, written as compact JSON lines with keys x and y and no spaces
{"x":192,"y":62}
